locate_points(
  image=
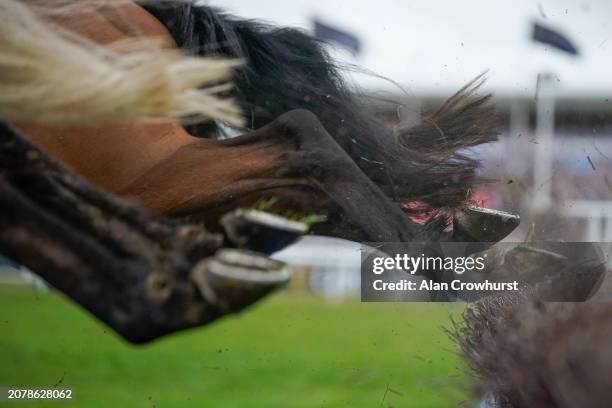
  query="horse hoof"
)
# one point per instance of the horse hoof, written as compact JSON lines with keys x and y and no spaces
{"x":484,"y":224}
{"x":233,"y":279}
{"x":531,"y":264}
{"x":260,"y":231}
{"x":576,"y":283}
{"x":568,"y":272}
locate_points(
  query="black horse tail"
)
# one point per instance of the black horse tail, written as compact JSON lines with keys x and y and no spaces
{"x":287,"y":69}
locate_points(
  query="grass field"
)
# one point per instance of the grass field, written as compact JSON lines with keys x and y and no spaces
{"x":291,"y":350}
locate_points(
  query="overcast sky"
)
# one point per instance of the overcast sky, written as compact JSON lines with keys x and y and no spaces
{"x":435,"y":46}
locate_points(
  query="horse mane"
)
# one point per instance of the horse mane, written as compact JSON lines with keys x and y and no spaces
{"x":287,"y":69}
{"x":50,"y":75}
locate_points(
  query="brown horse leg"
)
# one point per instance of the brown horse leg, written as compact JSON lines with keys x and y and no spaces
{"x":292,"y":151}
{"x":143,"y":275}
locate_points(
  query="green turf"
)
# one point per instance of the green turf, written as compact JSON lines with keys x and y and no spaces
{"x":291,"y":350}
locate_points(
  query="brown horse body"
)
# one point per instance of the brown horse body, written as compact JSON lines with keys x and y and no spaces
{"x":165,"y":169}
{"x":158,"y":164}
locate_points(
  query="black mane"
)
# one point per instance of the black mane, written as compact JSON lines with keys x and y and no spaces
{"x":287,"y":69}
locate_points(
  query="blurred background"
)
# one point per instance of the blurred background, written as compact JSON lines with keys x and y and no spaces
{"x":548,"y":65}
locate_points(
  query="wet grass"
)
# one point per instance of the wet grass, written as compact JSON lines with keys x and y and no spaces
{"x":292,"y":350}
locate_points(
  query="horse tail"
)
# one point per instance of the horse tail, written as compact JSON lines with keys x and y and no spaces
{"x":287,"y":69}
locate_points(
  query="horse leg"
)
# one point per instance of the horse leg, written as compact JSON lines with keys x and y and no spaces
{"x":318,"y":158}
{"x":143,"y":275}
{"x":294,"y":151}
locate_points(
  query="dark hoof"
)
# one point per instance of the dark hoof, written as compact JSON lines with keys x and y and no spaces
{"x":577,"y":283}
{"x":260,"y":231}
{"x":483,"y":224}
{"x":582,"y":276}
{"x":532,"y":264}
{"x":233,"y":279}
{"x":564,"y":272}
